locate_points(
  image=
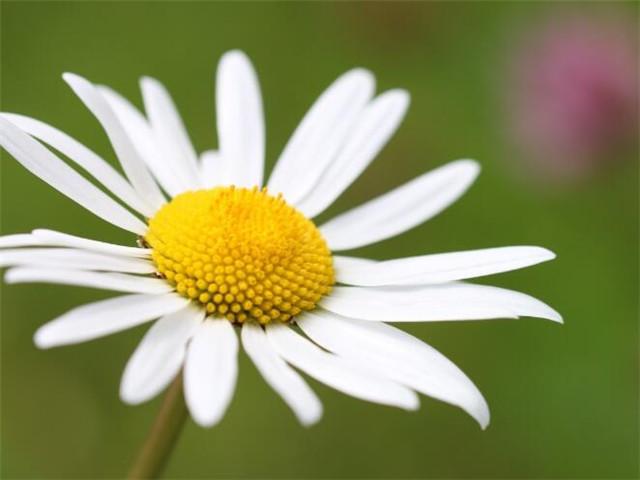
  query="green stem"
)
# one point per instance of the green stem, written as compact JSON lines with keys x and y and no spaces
{"x":163,"y":435}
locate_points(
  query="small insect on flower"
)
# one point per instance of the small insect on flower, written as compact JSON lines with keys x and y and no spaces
{"x":225,"y":253}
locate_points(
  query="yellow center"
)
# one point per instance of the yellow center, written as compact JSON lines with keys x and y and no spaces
{"x":242,"y":253}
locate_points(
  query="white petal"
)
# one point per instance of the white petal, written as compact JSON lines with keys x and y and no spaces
{"x":282,"y":378}
{"x":210,"y":371}
{"x":342,"y":265}
{"x":402,"y":208}
{"x":339,"y":373}
{"x":449,"y":301}
{"x":93,"y":164}
{"x":118,"y":282}
{"x":19,"y":240}
{"x":398,"y":356}
{"x":161,"y":164}
{"x":211,"y":165}
{"x":160,"y":355}
{"x":48,"y":167}
{"x":132,"y":164}
{"x":440,"y":268}
{"x":105,"y":317}
{"x":169,"y":131}
{"x":74,"y":259}
{"x":241,"y":134}
{"x":375,"y":125}
{"x":320,"y":135}
{"x":52,"y":238}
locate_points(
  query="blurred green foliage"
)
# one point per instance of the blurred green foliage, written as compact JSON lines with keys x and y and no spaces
{"x":564,"y":399}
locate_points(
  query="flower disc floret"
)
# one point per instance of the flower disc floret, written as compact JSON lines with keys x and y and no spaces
{"x":242,"y":253}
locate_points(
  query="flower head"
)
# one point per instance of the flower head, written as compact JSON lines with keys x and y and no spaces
{"x":242,"y":253}
{"x":221,"y":251}
{"x":574,"y":92}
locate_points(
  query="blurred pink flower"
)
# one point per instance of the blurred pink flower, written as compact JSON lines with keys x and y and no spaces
{"x":574,"y":93}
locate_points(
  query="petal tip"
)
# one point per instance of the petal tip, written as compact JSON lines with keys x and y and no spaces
{"x":235,"y":56}
{"x":73,"y":78}
{"x":557,"y":318}
{"x":11,"y":276}
{"x":311,"y":419}
{"x":472,"y":166}
{"x":483,"y":416}
{"x":128,"y":395}
{"x":400,"y":96}
{"x":362,"y":74}
{"x":412,"y":403}
{"x":547,"y":254}
{"x":206,"y":421}
{"x":549,"y":314}
{"x":149,"y":82}
{"x":363,"y":78}
{"x":146,"y":78}
{"x":42,"y":339}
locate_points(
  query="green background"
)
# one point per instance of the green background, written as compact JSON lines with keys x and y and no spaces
{"x":564,"y":399}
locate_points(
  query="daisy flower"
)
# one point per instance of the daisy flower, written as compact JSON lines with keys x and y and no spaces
{"x":226,"y":258}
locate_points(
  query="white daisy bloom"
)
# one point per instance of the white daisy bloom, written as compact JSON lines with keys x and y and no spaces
{"x":225,"y":253}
